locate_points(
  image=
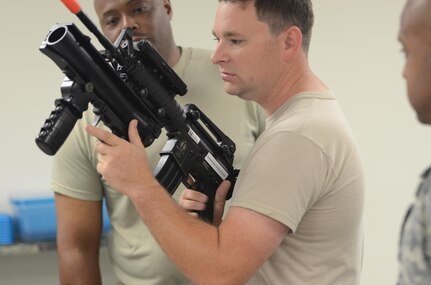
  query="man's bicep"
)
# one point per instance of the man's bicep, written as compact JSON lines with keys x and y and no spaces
{"x":78,"y":221}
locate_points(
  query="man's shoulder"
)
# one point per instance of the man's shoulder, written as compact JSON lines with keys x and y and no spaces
{"x":193,"y":55}
{"x":424,"y":188}
{"x":197,"y":61}
{"x":196,"y":52}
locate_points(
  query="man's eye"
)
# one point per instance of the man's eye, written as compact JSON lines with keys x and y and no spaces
{"x":111,"y":21}
{"x":235,"y":42}
{"x":142,"y":10}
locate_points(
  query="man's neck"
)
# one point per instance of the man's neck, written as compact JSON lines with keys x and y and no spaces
{"x":296,"y":82}
{"x":174,"y":56}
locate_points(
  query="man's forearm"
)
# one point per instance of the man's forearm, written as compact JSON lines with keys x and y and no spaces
{"x":187,"y":241}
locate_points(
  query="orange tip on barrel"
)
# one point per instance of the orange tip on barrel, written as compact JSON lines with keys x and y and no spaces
{"x":72,"y":5}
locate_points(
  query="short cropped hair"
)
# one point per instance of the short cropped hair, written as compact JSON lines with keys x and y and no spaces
{"x":282,"y":14}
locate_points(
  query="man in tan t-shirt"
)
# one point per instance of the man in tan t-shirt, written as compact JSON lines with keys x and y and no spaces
{"x":296,"y":212}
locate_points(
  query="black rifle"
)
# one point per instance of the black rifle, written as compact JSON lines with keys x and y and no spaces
{"x":130,"y":80}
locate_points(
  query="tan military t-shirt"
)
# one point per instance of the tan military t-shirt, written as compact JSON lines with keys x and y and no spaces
{"x":304,"y":171}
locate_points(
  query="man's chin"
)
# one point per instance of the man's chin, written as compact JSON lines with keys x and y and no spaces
{"x":424,"y":118}
{"x":229,"y":89}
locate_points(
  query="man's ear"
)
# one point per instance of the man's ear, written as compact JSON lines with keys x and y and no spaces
{"x":292,"y":38}
{"x":168,"y":7}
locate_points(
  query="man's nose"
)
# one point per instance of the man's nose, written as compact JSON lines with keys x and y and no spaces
{"x":218,"y":55}
{"x":129,"y":22}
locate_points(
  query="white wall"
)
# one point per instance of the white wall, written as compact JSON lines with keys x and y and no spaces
{"x":354,"y":49}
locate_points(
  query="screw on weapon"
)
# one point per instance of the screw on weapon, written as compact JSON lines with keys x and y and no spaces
{"x":89,"y":87}
{"x":143,"y":93}
{"x":161,"y":112}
